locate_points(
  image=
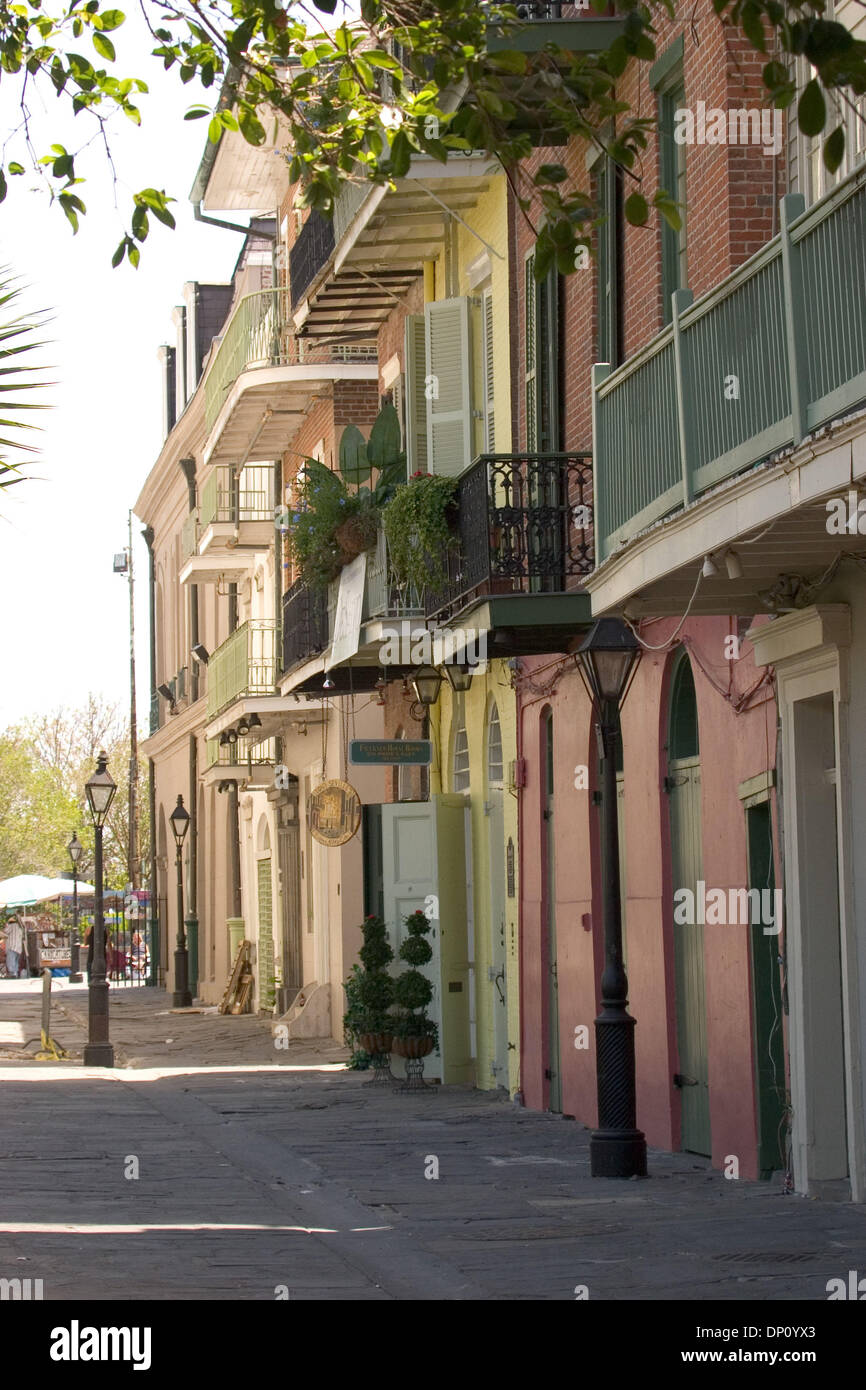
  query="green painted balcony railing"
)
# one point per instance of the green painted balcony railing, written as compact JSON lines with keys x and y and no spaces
{"x":772,"y":353}
{"x":247,"y":497}
{"x":245,"y":664}
{"x":259,"y":334}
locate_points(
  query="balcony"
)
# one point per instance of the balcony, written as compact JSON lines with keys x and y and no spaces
{"x":234,"y":522}
{"x":243,"y":668}
{"x":305,"y":624}
{"x":345,"y":285}
{"x":690,"y":433}
{"x":261,"y":374}
{"x":523,"y":551}
{"x":239,"y":760}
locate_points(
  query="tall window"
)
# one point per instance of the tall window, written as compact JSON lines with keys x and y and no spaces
{"x":460,"y":759}
{"x":494,"y":748}
{"x":607,"y":191}
{"x":541,"y":360}
{"x":666,"y":77}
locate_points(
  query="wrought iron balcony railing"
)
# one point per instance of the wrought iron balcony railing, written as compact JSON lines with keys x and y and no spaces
{"x":259,"y":334}
{"x":523,"y":527}
{"x":236,"y":497}
{"x":239,"y":752}
{"x":245,"y":664}
{"x":772,"y":353}
{"x":305,"y":623}
{"x":310,"y":252}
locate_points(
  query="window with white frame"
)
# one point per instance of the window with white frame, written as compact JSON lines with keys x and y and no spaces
{"x":494,"y":748}
{"x":460,"y":754}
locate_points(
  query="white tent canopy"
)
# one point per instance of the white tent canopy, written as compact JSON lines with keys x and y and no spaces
{"x":27,"y":889}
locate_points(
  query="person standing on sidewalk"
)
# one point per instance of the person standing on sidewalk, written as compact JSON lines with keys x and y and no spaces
{"x":14,"y":947}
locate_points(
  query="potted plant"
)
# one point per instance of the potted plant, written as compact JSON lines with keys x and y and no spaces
{"x":414,"y":1034}
{"x":418,"y":528}
{"x":370,"y":994}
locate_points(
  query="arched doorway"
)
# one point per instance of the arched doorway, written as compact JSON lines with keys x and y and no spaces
{"x":495,"y":809}
{"x":683,"y":786}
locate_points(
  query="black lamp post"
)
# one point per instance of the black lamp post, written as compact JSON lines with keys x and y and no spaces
{"x":459,"y":674}
{"x":617,"y":1149}
{"x":182,"y":998}
{"x":99,"y":1052}
{"x":76,"y":849}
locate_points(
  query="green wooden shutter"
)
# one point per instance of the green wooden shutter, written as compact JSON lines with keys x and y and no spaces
{"x":489,"y":411}
{"x":415,"y":363}
{"x":449,"y":398}
{"x":530,"y":354}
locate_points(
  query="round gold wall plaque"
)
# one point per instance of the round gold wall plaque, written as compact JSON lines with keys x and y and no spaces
{"x":334,"y":813}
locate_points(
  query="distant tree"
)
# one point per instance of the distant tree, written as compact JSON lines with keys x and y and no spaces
{"x":37,"y":812}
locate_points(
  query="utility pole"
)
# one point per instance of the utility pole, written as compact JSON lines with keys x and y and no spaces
{"x":133,"y":730}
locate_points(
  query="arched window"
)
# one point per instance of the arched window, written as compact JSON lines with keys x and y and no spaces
{"x":460,"y":761}
{"x":684,"y":712}
{"x":494,"y":748}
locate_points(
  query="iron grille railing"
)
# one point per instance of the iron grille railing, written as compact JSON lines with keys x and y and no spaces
{"x":305,"y":623}
{"x":240,"y":752}
{"x":523,"y":527}
{"x":310,"y":252}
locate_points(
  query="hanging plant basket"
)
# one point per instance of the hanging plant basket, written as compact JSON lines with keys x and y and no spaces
{"x":355,"y":535}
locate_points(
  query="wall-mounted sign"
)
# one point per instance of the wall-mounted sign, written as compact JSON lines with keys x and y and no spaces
{"x":334,"y":813}
{"x":386,"y":752}
{"x":350,"y":605}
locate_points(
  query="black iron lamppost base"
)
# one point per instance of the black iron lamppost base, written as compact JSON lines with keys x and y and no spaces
{"x":75,"y":979}
{"x":617,"y":1153}
{"x":100,"y":1054}
{"x":182,"y":998}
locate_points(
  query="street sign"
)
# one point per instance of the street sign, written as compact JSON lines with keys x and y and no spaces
{"x":388,"y":752}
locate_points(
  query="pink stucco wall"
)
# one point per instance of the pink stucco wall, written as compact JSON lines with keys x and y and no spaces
{"x":734,"y":747}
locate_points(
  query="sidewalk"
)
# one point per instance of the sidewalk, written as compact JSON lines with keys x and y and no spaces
{"x":260,"y":1169}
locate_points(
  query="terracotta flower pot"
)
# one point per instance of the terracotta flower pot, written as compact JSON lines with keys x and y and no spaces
{"x":355,"y":535}
{"x":375,"y":1043}
{"x":412,"y":1047}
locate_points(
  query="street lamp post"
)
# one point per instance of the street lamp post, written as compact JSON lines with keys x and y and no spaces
{"x":100,"y":789}
{"x":617,"y":1149}
{"x":76,"y":849}
{"x":182,"y":997}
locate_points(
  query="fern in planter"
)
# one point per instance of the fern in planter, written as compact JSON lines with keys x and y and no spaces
{"x":417,"y":523}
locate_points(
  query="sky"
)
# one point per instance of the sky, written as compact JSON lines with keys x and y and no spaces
{"x":64,"y":629}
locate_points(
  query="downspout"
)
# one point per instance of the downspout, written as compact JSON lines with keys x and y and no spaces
{"x":192,"y":883}
{"x":188,"y":466}
{"x":155,"y":973}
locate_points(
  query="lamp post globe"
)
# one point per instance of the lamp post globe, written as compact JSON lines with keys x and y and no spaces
{"x":99,"y":788}
{"x":608,"y":659}
{"x":75,"y":849}
{"x":182,"y":998}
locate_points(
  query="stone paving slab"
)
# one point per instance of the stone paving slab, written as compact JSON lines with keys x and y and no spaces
{"x":315,"y":1180}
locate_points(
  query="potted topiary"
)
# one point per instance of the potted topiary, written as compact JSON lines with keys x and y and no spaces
{"x":370,"y":994}
{"x":414,"y":1034}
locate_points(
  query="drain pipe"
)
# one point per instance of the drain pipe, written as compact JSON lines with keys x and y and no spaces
{"x":155,"y":975}
{"x":192,"y":881}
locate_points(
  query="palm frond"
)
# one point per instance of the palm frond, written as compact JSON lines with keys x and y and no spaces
{"x":19,"y":338}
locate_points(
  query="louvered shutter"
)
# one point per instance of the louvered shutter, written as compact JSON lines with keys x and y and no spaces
{"x":414,"y":400}
{"x":489,"y":413}
{"x":529,"y":354}
{"x":449,"y":396}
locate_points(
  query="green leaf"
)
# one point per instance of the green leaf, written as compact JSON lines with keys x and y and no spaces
{"x":118,"y":255}
{"x":834,"y":149}
{"x":3,"y":186}
{"x":112,"y":19}
{"x":812,"y":109}
{"x":354,"y":464}
{"x":134,"y":255}
{"x":195,"y":113}
{"x":215,"y":130}
{"x":15,"y":167}
{"x":401,"y":155}
{"x":251,"y":127}
{"x":636,"y":209}
{"x":104,"y":46}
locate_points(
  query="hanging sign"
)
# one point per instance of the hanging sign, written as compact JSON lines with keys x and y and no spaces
{"x":389,"y":752}
{"x":350,"y":606}
{"x":334,"y":813}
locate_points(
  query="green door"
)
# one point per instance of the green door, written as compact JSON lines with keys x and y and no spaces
{"x":267,"y":993}
{"x":553,"y":1071}
{"x":767,"y":1004}
{"x":684,"y":792}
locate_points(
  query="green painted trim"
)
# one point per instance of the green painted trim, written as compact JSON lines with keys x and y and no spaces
{"x":849,"y":394}
{"x":669,"y":501}
{"x":680,"y":301}
{"x":664,"y":65}
{"x":600,"y":373}
{"x":738,"y":460}
{"x":527,"y":610}
{"x":793,"y":205}
{"x":573,"y":35}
